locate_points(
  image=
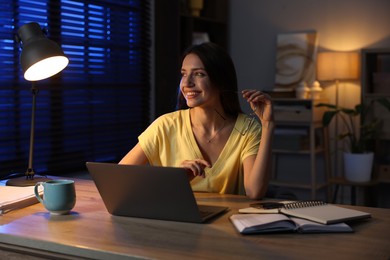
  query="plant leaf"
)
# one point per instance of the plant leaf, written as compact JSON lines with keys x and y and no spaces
{"x":328,"y":116}
{"x":350,"y":111}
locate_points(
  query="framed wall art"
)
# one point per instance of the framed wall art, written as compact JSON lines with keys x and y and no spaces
{"x":295,"y":60}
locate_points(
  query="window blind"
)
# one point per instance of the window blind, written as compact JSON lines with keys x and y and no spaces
{"x":96,"y":107}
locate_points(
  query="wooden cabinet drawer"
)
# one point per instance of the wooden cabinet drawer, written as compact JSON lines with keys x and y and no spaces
{"x":297,"y":110}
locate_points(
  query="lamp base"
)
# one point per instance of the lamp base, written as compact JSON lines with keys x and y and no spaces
{"x":23,"y":182}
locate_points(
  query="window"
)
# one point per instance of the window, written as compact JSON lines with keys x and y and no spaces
{"x":94,"y":109}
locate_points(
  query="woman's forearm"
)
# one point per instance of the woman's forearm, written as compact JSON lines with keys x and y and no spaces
{"x":256,"y":183}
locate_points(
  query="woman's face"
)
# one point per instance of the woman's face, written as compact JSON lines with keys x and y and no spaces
{"x":195,"y":84}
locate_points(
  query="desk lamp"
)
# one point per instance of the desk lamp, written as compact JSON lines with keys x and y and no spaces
{"x":336,"y":66}
{"x":41,"y":58}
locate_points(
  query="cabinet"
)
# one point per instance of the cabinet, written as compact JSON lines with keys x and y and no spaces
{"x":375,"y":80}
{"x":299,"y":132}
{"x":175,"y":28}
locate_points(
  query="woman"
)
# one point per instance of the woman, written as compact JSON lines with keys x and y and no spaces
{"x":209,"y":135}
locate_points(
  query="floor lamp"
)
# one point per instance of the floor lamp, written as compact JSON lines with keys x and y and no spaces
{"x":336,"y":66}
{"x":41,"y":58}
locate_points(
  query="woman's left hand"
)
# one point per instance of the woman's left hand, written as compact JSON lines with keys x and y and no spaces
{"x":260,"y":103}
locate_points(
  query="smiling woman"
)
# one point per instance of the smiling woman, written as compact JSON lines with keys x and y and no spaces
{"x":205,"y":135}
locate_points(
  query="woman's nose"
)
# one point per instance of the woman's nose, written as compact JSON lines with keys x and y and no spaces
{"x":188,"y":80}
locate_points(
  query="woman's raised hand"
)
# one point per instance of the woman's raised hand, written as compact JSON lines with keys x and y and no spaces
{"x":260,"y":103}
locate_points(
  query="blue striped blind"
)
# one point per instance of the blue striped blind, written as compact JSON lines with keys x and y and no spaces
{"x":95,"y":108}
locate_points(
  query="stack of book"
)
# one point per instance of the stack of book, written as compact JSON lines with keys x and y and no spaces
{"x":12,"y":198}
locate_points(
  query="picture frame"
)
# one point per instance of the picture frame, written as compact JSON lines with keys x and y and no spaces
{"x":295,"y":60}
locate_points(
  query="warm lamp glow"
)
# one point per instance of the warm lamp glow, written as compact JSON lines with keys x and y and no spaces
{"x":41,"y":57}
{"x":46,"y":68}
{"x":337,"y":65}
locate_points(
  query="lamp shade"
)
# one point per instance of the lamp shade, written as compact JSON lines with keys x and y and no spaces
{"x":337,"y":65}
{"x":41,"y":57}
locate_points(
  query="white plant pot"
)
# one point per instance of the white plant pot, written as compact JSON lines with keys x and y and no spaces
{"x":358,"y":166}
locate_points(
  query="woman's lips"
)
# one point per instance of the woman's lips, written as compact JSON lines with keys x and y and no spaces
{"x":192,"y":94}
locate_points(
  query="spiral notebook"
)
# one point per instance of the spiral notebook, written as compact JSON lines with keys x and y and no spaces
{"x":316,"y":211}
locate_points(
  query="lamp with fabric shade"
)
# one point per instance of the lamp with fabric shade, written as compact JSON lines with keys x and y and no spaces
{"x":336,"y":66}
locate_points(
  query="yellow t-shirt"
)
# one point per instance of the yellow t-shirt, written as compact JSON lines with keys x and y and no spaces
{"x":169,"y":140}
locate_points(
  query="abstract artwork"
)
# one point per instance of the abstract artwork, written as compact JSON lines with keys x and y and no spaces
{"x":295,"y":60}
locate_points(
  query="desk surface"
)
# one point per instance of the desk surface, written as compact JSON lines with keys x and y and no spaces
{"x":90,"y":232}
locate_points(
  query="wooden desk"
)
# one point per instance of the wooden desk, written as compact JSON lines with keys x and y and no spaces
{"x":90,"y":232}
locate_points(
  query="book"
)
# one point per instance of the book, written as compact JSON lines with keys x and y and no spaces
{"x":316,"y":211}
{"x":272,"y":223}
{"x":12,"y":198}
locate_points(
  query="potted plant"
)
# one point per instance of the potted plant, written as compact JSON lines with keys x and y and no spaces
{"x":358,"y":135}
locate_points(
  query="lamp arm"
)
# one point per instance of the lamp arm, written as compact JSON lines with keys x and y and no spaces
{"x":30,"y":170}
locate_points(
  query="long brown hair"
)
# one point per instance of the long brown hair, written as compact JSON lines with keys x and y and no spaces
{"x":220,"y":69}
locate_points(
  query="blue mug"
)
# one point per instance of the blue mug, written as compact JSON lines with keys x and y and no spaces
{"x":59,"y":196}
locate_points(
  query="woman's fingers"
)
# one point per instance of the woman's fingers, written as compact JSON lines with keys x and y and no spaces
{"x":260,"y":103}
{"x":196,"y":167}
{"x":253,"y":95}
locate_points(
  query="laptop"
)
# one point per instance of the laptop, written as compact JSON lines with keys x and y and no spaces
{"x":145,"y":191}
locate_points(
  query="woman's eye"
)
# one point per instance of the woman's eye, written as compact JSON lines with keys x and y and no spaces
{"x":200,"y":74}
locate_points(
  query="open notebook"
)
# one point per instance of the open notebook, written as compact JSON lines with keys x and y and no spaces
{"x":270,"y":223}
{"x":313,"y":210}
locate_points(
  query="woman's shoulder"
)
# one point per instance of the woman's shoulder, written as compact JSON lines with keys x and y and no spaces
{"x":242,"y":117}
{"x":244,"y":121}
{"x":172,"y":117}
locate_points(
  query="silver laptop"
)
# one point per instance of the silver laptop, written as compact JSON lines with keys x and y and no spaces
{"x":149,"y":192}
